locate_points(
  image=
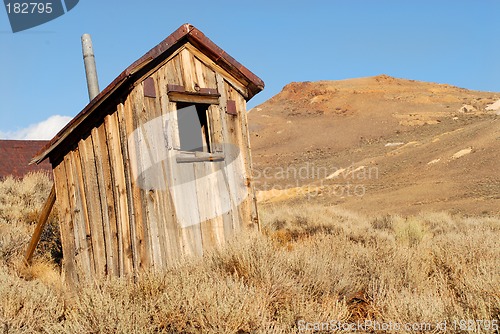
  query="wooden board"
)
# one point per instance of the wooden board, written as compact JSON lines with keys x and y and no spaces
{"x":187,"y":68}
{"x":193,"y":98}
{"x":212,"y":202}
{"x":112,"y":198}
{"x":230,"y":219}
{"x":106,"y":186}
{"x":84,"y":259}
{"x":131,"y":203}
{"x":125,"y":257}
{"x":94,"y":209}
{"x":205,"y":76}
{"x":132,"y":114}
{"x":148,"y":180}
{"x":173,"y":233}
{"x":251,"y":201}
{"x":70,"y":276}
{"x":240,"y":178}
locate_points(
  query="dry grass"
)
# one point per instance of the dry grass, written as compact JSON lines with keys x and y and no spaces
{"x":20,"y":205}
{"x":309,"y":264}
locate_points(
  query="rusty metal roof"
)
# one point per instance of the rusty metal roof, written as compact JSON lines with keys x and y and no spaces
{"x":82,"y":122}
{"x":15,"y":156}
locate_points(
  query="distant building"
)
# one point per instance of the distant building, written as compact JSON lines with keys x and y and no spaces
{"x":15,"y":156}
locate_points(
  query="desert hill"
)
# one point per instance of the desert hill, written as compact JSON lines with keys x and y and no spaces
{"x":379,"y":145}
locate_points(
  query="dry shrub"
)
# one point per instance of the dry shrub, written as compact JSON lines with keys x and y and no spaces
{"x":428,"y":268}
{"x":42,"y":269}
{"x":13,"y":241}
{"x":282,"y":276}
{"x":21,"y":201}
{"x":409,"y":231}
{"x":311,"y":264}
{"x":189,"y":298}
{"x":28,"y":307}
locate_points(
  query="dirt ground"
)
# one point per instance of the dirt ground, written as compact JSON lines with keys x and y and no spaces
{"x":379,"y":145}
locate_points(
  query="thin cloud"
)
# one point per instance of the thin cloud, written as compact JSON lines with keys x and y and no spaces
{"x":44,"y":130}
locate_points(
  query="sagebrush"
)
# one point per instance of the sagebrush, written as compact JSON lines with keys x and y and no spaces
{"x":308,"y":264}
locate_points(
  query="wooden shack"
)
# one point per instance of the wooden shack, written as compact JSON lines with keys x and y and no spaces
{"x":136,"y":187}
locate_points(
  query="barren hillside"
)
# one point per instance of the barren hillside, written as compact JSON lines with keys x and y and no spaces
{"x":378,"y":145}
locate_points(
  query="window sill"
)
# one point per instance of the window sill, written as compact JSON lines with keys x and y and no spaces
{"x":186,"y":157}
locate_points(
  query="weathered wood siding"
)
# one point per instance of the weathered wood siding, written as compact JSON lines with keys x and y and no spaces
{"x":128,"y":205}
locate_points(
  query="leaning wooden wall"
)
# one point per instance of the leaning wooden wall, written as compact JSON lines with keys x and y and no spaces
{"x":113,"y":224}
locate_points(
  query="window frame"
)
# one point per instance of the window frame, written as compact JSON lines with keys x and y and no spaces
{"x":203,"y":96}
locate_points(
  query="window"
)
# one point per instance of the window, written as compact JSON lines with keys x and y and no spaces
{"x":199,"y":139}
{"x":194,"y":133}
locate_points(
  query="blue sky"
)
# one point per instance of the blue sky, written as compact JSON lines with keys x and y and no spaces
{"x":42,"y":74}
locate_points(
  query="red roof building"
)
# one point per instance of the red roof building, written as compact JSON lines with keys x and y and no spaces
{"x":15,"y":156}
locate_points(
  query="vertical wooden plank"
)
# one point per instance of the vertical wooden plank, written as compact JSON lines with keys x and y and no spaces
{"x":82,"y":203}
{"x":101,"y":187}
{"x":198,"y":74}
{"x":240,"y":174}
{"x":206,"y":198}
{"x":205,"y":73}
{"x":107,"y":197}
{"x":93,"y":199}
{"x":83,"y":247}
{"x":192,"y":242}
{"x":171,"y":227}
{"x":215,"y":122}
{"x":144,"y":180}
{"x":186,"y":207}
{"x":188,"y":72}
{"x":223,"y":204}
{"x":157,"y":145}
{"x":134,"y":110}
{"x":79,"y":235}
{"x":230,"y":219}
{"x":251,"y":201}
{"x":66,"y":225}
{"x":125,"y":257}
{"x":210,"y":195}
{"x":111,"y":197}
{"x":131,"y":223}
{"x":224,"y":225}
{"x":172,"y":73}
